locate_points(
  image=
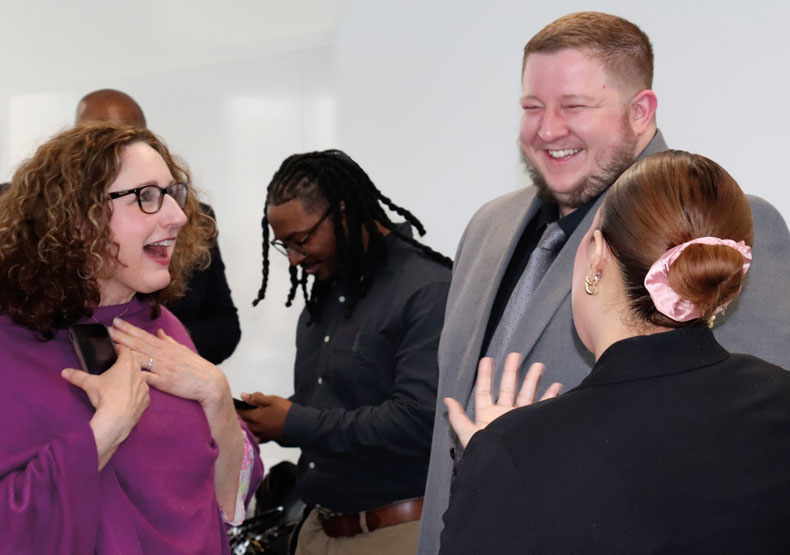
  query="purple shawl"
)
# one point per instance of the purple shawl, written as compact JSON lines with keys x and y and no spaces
{"x":156,"y":495}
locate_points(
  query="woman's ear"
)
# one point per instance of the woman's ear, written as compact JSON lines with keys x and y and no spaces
{"x":600,"y":255}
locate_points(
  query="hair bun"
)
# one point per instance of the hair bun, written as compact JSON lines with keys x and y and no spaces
{"x":681,"y":199}
{"x":709,"y":276}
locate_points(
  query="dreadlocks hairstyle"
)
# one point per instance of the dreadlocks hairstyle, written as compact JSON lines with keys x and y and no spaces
{"x":325,"y":180}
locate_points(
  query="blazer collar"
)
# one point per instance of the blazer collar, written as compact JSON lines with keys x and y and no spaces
{"x":656,"y":144}
{"x":659,"y":354}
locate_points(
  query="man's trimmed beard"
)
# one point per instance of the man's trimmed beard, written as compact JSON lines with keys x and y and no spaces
{"x":620,"y":158}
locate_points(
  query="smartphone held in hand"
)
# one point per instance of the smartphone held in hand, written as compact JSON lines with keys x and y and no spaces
{"x":242,"y":405}
{"x":94,"y":347}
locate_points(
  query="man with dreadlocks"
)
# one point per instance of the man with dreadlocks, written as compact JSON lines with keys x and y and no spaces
{"x":366,"y":367}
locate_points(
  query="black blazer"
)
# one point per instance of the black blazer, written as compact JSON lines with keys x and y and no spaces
{"x":670,"y":445}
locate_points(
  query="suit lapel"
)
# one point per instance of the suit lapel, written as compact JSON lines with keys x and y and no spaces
{"x":552,"y":290}
{"x":556,"y":283}
{"x":483,"y":284}
{"x":484,"y":257}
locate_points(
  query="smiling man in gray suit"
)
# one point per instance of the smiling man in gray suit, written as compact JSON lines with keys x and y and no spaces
{"x":588,"y":112}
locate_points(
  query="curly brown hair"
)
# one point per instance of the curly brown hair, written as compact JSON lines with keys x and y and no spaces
{"x":55,"y":238}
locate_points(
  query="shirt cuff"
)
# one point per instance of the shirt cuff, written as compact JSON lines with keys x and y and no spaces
{"x":245,"y":475}
{"x":300,"y":422}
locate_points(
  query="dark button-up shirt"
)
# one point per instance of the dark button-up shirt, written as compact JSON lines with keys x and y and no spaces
{"x":365,"y":387}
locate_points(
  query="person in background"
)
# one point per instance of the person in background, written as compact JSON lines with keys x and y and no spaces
{"x":206,"y":309}
{"x":366,"y":371}
{"x":588,"y":113}
{"x":99,"y":227}
{"x":671,"y":443}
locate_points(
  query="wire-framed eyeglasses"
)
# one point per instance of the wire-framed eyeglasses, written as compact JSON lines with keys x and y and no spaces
{"x":151,"y":197}
{"x":297,"y":247}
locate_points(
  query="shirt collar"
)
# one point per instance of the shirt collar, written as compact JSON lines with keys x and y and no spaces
{"x":106,"y":314}
{"x":569,"y":223}
{"x":404,"y":228}
{"x":549,"y":212}
{"x":656,"y":144}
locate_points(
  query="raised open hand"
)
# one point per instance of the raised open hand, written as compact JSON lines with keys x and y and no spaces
{"x":486,"y":409}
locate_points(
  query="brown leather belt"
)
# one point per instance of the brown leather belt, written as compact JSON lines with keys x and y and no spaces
{"x":349,"y":525}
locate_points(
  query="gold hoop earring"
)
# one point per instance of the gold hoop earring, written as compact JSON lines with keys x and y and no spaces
{"x":591,"y":282}
{"x":712,"y":319}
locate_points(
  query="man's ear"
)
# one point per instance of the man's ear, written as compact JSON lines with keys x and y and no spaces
{"x":642,"y":111}
{"x":342,"y":209}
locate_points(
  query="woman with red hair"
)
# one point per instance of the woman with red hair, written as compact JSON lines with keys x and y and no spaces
{"x":671,"y":444}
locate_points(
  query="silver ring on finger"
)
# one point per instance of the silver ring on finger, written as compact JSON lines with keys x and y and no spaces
{"x":150,"y":364}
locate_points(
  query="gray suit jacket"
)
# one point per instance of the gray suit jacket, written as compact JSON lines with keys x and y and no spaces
{"x":756,"y":324}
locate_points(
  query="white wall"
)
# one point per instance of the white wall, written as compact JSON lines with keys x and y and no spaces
{"x":430,"y":103}
{"x":424,"y":94}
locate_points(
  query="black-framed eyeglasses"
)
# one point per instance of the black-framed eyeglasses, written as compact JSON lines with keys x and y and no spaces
{"x":151,"y":197}
{"x":297,"y":247}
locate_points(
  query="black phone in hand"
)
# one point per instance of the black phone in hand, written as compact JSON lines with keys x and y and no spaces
{"x":93,"y":346}
{"x":242,"y":405}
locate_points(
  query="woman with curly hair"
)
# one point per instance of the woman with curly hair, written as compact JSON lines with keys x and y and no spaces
{"x":100,"y":226}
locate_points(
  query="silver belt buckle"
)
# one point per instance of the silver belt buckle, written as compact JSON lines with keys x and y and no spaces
{"x":324,"y":513}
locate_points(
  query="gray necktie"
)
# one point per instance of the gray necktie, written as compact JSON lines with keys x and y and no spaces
{"x":539,"y":261}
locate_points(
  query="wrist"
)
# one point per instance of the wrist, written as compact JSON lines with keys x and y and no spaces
{"x":218,"y":394}
{"x":109,"y":431}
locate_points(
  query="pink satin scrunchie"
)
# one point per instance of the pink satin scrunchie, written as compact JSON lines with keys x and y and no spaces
{"x":667,"y":301}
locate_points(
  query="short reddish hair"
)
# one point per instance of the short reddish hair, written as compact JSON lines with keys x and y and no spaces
{"x":622,"y":47}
